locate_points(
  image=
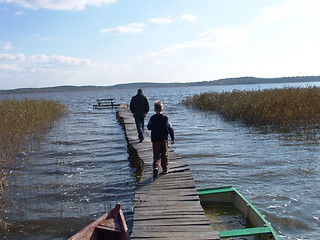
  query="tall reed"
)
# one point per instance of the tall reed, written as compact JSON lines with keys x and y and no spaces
{"x":285,"y":107}
{"x":22,"y":122}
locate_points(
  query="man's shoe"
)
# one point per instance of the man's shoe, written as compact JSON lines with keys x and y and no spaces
{"x":155,"y":173}
{"x":141,"y":140}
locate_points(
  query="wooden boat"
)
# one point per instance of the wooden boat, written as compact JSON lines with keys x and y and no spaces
{"x":111,"y":226}
{"x":260,"y":228}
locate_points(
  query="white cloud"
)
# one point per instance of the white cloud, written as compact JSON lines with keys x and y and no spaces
{"x":215,"y":39}
{"x":178,"y":48}
{"x":5,"y":46}
{"x":58,"y":5}
{"x":282,"y":41}
{"x":164,"y":20}
{"x":24,"y":71}
{"x":42,"y":38}
{"x":57,"y":61}
{"x":130,"y":28}
{"x":20,"y":70}
{"x":227,"y":36}
{"x":9,"y":67}
{"x":189,"y":17}
{"x":292,"y":8}
{"x":7,"y":58}
{"x":40,"y":63}
{"x":19,"y":13}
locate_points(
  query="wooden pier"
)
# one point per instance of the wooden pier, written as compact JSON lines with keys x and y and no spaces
{"x":167,"y":207}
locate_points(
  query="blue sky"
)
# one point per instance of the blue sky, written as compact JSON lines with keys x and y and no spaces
{"x":105,"y":42}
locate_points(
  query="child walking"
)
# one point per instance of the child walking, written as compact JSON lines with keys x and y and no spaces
{"x":160,"y":129}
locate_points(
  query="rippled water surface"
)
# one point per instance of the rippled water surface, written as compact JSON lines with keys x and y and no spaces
{"x":82,"y":168}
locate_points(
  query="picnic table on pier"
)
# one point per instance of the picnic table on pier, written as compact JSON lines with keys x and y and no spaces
{"x":105,"y":103}
{"x":167,"y":207}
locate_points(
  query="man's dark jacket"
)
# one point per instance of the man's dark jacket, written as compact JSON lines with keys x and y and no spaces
{"x":139,"y":105}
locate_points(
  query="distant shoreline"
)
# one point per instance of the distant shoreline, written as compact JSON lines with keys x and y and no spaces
{"x":226,"y":81}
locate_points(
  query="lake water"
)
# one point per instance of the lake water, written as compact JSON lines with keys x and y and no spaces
{"x":81,"y":168}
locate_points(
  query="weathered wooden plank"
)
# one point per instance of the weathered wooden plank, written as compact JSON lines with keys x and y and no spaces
{"x":166,"y":192}
{"x":173,"y":228}
{"x":173,"y":215}
{"x":145,"y":192}
{"x":173,"y":235}
{"x":142,"y":206}
{"x":173,"y":187}
{"x":169,"y":216}
{"x":170,"y":220}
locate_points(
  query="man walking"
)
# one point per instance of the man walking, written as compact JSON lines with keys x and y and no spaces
{"x":139,"y":106}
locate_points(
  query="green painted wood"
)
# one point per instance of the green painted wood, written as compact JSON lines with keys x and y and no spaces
{"x":216,"y":190}
{"x":244,"y":232}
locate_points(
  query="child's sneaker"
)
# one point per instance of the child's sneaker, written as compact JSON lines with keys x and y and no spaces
{"x":155,"y":173}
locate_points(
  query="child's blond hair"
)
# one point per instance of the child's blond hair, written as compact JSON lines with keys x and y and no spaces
{"x":158,"y":106}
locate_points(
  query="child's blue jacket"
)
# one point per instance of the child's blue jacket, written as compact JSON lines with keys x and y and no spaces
{"x":160,"y":128}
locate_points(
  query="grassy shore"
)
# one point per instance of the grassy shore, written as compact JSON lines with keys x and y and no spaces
{"x":286,"y":107}
{"x":22,"y":123}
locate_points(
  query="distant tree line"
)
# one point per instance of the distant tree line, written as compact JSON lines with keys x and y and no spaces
{"x":226,"y":81}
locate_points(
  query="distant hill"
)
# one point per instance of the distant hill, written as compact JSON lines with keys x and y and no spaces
{"x":253,"y":80}
{"x":226,"y":81}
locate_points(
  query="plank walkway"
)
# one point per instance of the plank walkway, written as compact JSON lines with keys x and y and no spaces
{"x":167,"y":207}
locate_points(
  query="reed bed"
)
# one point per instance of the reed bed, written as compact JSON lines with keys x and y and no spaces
{"x":22,"y":123}
{"x":286,"y":107}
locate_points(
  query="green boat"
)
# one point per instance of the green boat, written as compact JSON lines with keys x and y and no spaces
{"x":256,"y":224}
